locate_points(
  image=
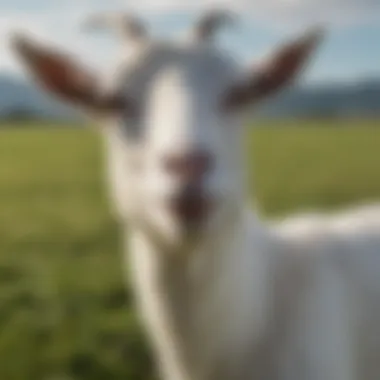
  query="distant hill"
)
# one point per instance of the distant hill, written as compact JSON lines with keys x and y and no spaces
{"x":18,"y":96}
{"x":335,"y":100}
{"x":360,"y":99}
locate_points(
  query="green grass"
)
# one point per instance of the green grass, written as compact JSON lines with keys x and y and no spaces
{"x":63,"y":305}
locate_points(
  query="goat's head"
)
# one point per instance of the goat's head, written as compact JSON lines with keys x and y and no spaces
{"x":173,"y":114}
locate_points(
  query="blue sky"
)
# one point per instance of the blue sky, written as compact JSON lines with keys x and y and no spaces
{"x":351,"y":50}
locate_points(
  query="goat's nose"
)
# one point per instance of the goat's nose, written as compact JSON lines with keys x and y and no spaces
{"x":191,"y":203}
{"x":191,"y":167}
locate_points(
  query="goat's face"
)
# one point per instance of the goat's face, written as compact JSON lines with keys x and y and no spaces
{"x":173,"y":124}
{"x":181,"y":148}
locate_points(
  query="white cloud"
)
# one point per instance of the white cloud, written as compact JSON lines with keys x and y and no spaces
{"x":59,"y":20}
{"x":275,"y":12}
{"x":60,"y":26}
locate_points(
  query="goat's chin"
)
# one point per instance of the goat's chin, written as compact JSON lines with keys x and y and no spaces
{"x":176,"y":237}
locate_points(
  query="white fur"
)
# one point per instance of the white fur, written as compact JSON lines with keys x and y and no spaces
{"x":292,"y":300}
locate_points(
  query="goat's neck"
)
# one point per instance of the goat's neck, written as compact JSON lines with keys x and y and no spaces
{"x":202,"y":307}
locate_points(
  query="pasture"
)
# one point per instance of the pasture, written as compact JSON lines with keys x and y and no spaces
{"x":64,"y":309}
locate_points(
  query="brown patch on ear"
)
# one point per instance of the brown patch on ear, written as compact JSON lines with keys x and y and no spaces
{"x":61,"y":75}
{"x":286,"y":64}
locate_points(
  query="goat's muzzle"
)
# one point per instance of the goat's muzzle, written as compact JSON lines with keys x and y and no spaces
{"x":191,"y":203}
{"x":191,"y":207}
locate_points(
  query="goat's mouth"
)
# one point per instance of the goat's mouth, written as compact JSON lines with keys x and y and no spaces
{"x":191,"y":210}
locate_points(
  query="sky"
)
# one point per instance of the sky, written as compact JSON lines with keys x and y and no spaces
{"x":350,"y":52}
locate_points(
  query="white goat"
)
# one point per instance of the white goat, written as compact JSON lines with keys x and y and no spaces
{"x":223,"y":295}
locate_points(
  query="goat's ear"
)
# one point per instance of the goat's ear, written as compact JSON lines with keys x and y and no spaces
{"x":282,"y":68}
{"x":59,"y":74}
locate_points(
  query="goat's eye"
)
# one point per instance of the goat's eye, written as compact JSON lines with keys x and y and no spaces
{"x":133,"y":130}
{"x":132,"y":117}
{"x":131,"y":126}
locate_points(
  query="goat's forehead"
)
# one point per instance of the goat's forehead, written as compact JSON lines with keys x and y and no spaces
{"x":196,"y":67}
{"x":192,"y":73}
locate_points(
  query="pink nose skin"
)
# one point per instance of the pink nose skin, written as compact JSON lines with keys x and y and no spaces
{"x":192,"y":203}
{"x":190,"y":167}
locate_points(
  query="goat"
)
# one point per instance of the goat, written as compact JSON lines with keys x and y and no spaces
{"x":223,"y":294}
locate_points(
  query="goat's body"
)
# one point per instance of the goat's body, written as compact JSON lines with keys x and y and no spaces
{"x":294,"y":300}
{"x":298,"y":300}
{"x":337,"y":259}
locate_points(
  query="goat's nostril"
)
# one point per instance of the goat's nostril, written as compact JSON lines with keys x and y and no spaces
{"x":189,"y":166}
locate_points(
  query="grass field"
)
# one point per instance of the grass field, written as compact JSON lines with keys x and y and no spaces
{"x":64,"y":312}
